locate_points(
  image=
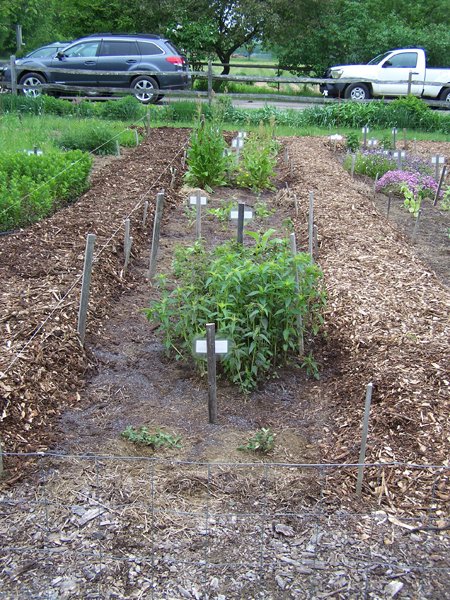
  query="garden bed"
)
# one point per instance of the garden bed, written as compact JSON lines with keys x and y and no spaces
{"x":386,"y":322}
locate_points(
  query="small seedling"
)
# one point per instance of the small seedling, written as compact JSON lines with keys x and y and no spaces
{"x":222,"y":213}
{"x":263,"y":441}
{"x":311,"y":366}
{"x":155,"y":440}
{"x":261,"y":210}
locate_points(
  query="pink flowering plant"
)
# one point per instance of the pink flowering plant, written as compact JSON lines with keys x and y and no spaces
{"x":414,"y":187}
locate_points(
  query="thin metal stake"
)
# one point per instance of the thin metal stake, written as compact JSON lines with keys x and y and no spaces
{"x":441,"y":181}
{"x":240,"y":223}
{"x":212,"y":383}
{"x":301,"y":343}
{"x":156,"y":232}
{"x":84,"y":299}
{"x":311,"y":225}
{"x":362,"y":454}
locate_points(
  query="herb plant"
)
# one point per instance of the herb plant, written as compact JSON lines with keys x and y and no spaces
{"x":250,"y":295}
{"x":263,"y":441}
{"x":207,"y":160}
{"x":156,"y":440}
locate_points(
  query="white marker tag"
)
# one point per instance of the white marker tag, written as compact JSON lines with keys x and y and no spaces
{"x":248,"y":214}
{"x":193,"y":200}
{"x":221,"y":347}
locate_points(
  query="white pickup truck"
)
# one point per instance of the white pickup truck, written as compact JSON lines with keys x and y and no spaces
{"x":394,"y":73}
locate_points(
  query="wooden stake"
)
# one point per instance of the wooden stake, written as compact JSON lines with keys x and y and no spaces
{"x":147,"y":123}
{"x":84,"y":299}
{"x":1,"y":460}
{"x":210,"y":82}
{"x":126,"y":237}
{"x":240,"y":223}
{"x":156,"y":232}
{"x":353,"y":165}
{"x":301,"y":343}
{"x":389,"y":205}
{"x":198,"y":219}
{"x":375,"y":185}
{"x":212,"y":382}
{"x":416,"y":225}
{"x":311,"y":225}
{"x":362,"y":454}
{"x":144,"y":217}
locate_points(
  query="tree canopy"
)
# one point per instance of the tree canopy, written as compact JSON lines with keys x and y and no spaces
{"x":306,"y":35}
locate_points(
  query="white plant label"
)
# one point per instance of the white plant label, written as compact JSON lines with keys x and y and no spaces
{"x":193,"y":200}
{"x":221,"y":347}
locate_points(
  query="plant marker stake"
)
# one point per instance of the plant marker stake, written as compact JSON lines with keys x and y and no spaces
{"x":286,"y":156}
{"x":117,"y":148}
{"x":296,"y":204}
{"x":144,"y":217}
{"x":316,"y":239}
{"x":128,"y":253}
{"x":389,"y":205}
{"x":126,"y":239}
{"x":353,"y":165}
{"x":86,"y":281}
{"x":301,"y":343}
{"x":375,"y":185}
{"x":12,"y":65}
{"x":405,"y":141}
{"x":240,"y":223}
{"x":362,"y":454}
{"x":437,"y":160}
{"x":365,"y":131}
{"x":291,"y":167}
{"x":198,"y":219}
{"x":173,"y":172}
{"x":441,"y":181}
{"x":212,"y":383}
{"x":394,"y":138}
{"x":1,"y":460}
{"x":416,"y":224}
{"x":311,"y":225}
{"x":156,"y":232}
{"x":210,"y":82}
{"x":147,"y":123}
{"x":136,"y":135}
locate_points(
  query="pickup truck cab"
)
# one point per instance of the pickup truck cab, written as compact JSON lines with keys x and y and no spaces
{"x":394,"y":73}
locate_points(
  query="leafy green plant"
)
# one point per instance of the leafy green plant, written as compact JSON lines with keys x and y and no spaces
{"x":96,"y":137}
{"x":207,"y":160}
{"x":32,"y":187}
{"x":258,"y":159}
{"x":352,"y":142}
{"x":262,"y":211}
{"x":222,"y":213}
{"x":250,"y":296}
{"x":156,"y":440}
{"x":263,"y":441}
{"x":311,"y":366}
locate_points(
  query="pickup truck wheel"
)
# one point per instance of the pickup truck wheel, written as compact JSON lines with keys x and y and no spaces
{"x":144,"y":88}
{"x":32,"y":83}
{"x":357,"y":91}
{"x":444,"y":96}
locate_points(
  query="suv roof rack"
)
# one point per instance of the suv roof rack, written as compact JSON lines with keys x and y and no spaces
{"x":152,"y":36}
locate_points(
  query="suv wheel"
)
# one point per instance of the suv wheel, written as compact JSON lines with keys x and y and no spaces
{"x":144,"y":89}
{"x":32,"y":83}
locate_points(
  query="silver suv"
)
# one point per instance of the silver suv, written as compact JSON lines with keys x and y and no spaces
{"x":109,"y":61}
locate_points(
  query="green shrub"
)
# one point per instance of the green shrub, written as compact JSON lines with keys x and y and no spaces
{"x":32,"y":187}
{"x":156,"y":440}
{"x":251,"y":298}
{"x":263,"y":441}
{"x":99,"y":138}
{"x":258,"y":159}
{"x":207,"y":160}
{"x":124,"y":109}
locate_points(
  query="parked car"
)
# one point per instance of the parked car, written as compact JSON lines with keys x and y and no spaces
{"x":146,"y":64}
{"x":46,"y":51}
{"x":388,"y":75}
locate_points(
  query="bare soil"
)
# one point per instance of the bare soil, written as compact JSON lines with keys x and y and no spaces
{"x":105,"y":519}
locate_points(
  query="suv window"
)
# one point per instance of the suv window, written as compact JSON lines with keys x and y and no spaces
{"x":118,"y":48}
{"x":84,"y":49}
{"x":407,"y":60}
{"x":149,"y":49}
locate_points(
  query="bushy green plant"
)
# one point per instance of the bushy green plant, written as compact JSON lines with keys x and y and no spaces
{"x":156,"y":440}
{"x":124,"y":109}
{"x":96,"y":137}
{"x":352,"y":142}
{"x":371,"y":164}
{"x":207,"y":160}
{"x":256,"y":167}
{"x":263,"y":441}
{"x":250,"y":296}
{"x":32,"y":187}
